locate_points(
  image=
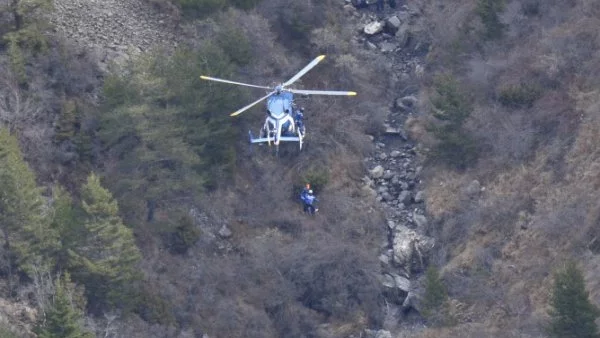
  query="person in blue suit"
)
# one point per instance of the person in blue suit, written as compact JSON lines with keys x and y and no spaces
{"x":299,"y":120}
{"x":308,"y":200}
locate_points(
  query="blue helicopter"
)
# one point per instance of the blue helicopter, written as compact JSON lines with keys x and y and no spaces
{"x":284,"y":122}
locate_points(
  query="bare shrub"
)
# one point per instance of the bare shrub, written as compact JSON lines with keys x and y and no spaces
{"x":333,"y":279}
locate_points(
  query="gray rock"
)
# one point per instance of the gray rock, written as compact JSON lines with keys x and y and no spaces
{"x":395,"y":154}
{"x":389,"y":130}
{"x":402,"y":36}
{"x":391,"y":224}
{"x":402,"y":283}
{"x":377,"y":334}
{"x":225,"y":232}
{"x":420,"y":196}
{"x":385,"y":259}
{"x":409,"y":301}
{"x":373,"y":28}
{"x":392,"y":24}
{"x":407,"y":242}
{"x":376,"y":172}
{"x":370,"y":46}
{"x":388,"y":174}
{"x":420,"y":221}
{"x":387,"y":47}
{"x":405,"y":197}
{"x":386,"y":196}
{"x":410,"y":101}
{"x":474,"y":188}
{"x":382,"y":156}
{"x":388,"y":281}
{"x":400,"y":106}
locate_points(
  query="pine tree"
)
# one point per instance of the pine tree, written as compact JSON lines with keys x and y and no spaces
{"x":66,"y":221}
{"x":26,"y":32}
{"x":63,"y":319}
{"x":107,"y":254}
{"x":27,"y":234}
{"x":67,"y":122}
{"x":434,"y":305}
{"x":455,"y":146}
{"x":572,"y":313}
{"x":168,"y":129}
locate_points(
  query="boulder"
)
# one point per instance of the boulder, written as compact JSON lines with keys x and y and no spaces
{"x":395,"y":153}
{"x":367,"y":191}
{"x":392,"y":24}
{"x":376,"y":172}
{"x":377,"y":334}
{"x":388,"y":174}
{"x":387,"y":197}
{"x":391,"y":224}
{"x":409,"y":101}
{"x":387,"y":47}
{"x":420,"y":221}
{"x":407,"y":242}
{"x":474,"y":188}
{"x":402,"y":36}
{"x":371,"y":46}
{"x":373,"y":28}
{"x":385,"y":259}
{"x":405,"y":197}
{"x":398,"y":104}
{"x":409,"y":301}
{"x":420,"y":196}
{"x":225,"y":232}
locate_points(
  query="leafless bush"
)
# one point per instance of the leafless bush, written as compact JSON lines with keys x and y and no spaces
{"x":17,"y":109}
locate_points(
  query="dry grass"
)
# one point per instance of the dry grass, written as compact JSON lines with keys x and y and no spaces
{"x":541,"y":168}
{"x":444,"y":193}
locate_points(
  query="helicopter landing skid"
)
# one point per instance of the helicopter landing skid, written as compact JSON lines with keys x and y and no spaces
{"x":270,"y":140}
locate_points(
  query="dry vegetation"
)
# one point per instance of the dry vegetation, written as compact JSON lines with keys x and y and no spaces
{"x":536,"y":118}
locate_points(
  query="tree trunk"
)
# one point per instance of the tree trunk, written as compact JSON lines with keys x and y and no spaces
{"x":14,"y":7}
{"x":9,"y":260}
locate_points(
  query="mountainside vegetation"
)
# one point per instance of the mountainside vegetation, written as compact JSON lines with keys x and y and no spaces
{"x":132,"y":206}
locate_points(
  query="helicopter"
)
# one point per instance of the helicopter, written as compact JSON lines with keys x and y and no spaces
{"x":283,"y":122}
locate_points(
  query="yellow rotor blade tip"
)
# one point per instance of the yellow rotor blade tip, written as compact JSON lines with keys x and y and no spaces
{"x":203,"y":77}
{"x":321,"y":57}
{"x":352,"y":94}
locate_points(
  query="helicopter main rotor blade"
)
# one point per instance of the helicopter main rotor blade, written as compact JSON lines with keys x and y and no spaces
{"x":232,"y":82}
{"x":321,"y":92}
{"x":241,"y":110}
{"x":304,"y":70}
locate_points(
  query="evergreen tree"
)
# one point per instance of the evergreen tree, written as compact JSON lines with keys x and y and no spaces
{"x":169,"y":129}
{"x":66,"y":126}
{"x":66,"y":222}
{"x":27,"y":234}
{"x":26,"y":32}
{"x":63,"y":319}
{"x":434,"y":306}
{"x":572,"y":313}
{"x":107,"y":255}
{"x":452,"y":108}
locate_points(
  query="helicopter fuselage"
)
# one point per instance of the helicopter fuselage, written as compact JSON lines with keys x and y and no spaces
{"x":279,"y":118}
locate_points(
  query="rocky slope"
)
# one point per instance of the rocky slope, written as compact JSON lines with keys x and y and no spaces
{"x":394,"y":176}
{"x":114,"y":29}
